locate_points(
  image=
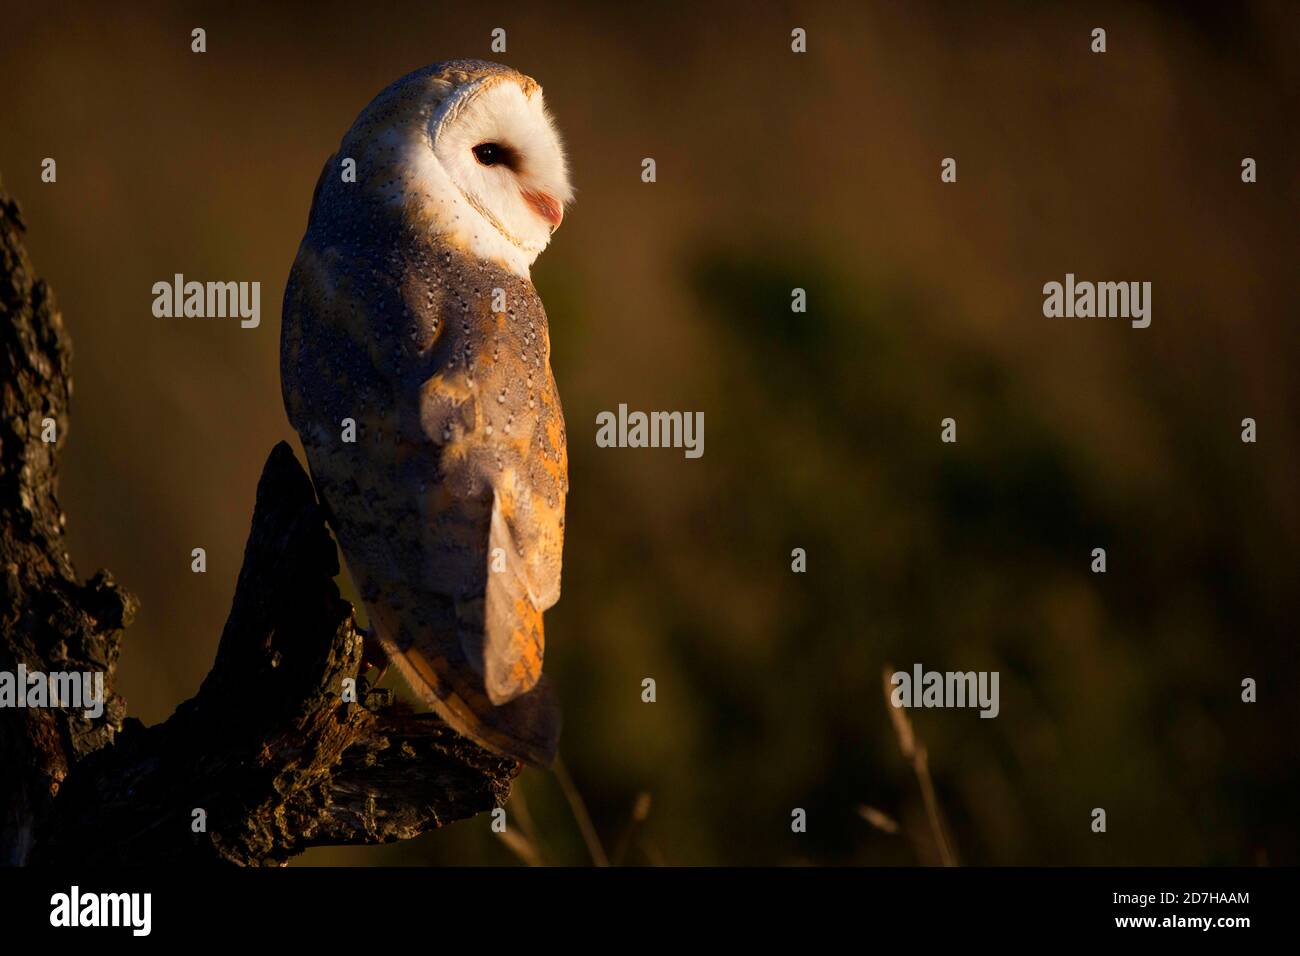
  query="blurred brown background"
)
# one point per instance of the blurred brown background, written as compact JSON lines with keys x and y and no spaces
{"x":821,"y":171}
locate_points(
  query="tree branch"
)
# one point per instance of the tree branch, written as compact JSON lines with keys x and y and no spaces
{"x":268,"y":750}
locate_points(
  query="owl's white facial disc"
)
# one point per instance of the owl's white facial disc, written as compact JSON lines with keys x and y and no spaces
{"x":498,"y":146}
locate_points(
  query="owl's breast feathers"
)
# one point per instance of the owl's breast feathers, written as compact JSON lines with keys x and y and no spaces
{"x":449,"y":504}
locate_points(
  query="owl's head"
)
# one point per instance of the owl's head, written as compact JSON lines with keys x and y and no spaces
{"x":467,"y":150}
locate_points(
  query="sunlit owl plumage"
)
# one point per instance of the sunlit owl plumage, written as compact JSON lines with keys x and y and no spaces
{"x":410,"y":310}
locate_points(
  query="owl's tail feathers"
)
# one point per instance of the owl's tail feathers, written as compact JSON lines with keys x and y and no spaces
{"x":526,"y":728}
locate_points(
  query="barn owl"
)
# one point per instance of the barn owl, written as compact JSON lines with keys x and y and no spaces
{"x":410,"y":314}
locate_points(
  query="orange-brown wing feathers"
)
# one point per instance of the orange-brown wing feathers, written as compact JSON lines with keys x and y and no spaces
{"x":449,"y":506}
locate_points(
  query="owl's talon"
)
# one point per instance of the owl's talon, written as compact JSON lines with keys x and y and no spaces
{"x":373,"y":653}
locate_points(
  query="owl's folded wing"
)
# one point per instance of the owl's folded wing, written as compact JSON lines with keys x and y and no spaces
{"x":512,"y":620}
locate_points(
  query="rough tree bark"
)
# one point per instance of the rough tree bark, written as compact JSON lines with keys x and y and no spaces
{"x":267,"y":749}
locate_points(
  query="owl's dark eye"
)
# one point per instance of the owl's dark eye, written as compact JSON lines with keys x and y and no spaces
{"x":491,"y":154}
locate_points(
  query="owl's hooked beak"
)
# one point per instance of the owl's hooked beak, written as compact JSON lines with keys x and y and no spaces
{"x":548,"y":207}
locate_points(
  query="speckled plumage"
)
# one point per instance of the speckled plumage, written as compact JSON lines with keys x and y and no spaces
{"x":460,"y":441}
